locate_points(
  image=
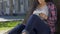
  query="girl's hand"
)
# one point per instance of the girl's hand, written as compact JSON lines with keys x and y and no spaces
{"x":43,"y":16}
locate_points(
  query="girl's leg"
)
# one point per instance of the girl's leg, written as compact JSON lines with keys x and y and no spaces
{"x":35,"y":22}
{"x":41,"y":26}
{"x":17,"y":30}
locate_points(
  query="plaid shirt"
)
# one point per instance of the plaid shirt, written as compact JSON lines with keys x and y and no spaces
{"x":52,"y":16}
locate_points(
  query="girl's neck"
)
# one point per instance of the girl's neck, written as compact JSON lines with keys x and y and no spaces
{"x":42,"y":5}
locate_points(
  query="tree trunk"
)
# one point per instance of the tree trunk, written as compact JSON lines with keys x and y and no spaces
{"x":28,"y":13}
{"x":57,"y":3}
{"x":11,"y":7}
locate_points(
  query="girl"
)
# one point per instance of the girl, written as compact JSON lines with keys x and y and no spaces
{"x":42,"y":18}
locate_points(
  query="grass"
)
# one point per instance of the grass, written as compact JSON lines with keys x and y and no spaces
{"x":8,"y":24}
{"x":5,"y":28}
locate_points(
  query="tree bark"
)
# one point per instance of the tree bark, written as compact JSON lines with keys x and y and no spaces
{"x":57,"y":3}
{"x":28,"y":13}
{"x":11,"y":7}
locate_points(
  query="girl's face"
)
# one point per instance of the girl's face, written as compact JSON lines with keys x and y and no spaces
{"x":41,"y":1}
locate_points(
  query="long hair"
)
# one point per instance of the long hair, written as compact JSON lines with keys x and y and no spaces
{"x":36,"y":3}
{"x":33,"y":6}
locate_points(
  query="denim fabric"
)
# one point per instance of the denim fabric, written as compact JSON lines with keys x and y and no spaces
{"x":17,"y":30}
{"x":34,"y":22}
{"x":34,"y":26}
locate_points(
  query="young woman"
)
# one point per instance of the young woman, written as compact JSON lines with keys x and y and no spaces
{"x":42,"y":18}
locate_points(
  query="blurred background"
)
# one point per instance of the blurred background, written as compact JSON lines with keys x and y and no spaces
{"x":13,"y":7}
{"x":13,"y":12}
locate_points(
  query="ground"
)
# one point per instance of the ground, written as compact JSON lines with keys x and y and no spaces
{"x":5,"y":30}
{"x":9,"y":22}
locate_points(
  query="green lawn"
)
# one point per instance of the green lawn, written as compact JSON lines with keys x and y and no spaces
{"x":8,"y":24}
{"x":6,"y":28}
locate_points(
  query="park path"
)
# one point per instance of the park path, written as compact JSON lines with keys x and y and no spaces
{"x":4,"y":31}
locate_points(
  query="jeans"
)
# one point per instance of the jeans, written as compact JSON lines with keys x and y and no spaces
{"x":34,"y":22}
{"x":34,"y":26}
{"x":17,"y":30}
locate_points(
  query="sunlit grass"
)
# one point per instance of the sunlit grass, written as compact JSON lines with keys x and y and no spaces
{"x":5,"y":28}
{"x":8,"y":25}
